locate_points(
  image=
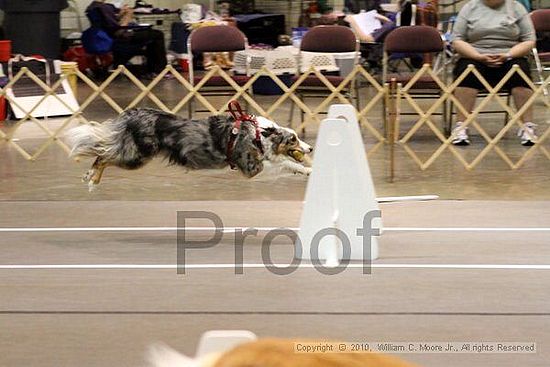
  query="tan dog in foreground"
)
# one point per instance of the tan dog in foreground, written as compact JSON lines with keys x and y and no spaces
{"x":272,"y":353}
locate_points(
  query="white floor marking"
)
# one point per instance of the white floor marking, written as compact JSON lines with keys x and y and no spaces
{"x":466,"y":229}
{"x":395,"y":199}
{"x":264,"y":229}
{"x":255,"y":266}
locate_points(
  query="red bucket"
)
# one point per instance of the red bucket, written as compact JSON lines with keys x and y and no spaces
{"x":5,"y":50}
{"x":2,"y":109}
{"x":184,"y":64}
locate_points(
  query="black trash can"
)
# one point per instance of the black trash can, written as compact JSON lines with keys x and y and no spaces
{"x":33,"y":26}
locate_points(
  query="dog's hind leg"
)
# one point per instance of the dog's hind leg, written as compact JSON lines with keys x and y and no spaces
{"x":94,"y":174}
{"x":96,"y":179}
{"x":88,"y":176}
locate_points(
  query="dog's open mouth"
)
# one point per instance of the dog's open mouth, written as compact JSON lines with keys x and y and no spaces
{"x":298,"y":155}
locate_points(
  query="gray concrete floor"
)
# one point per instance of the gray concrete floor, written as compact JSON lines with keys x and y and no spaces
{"x":53,"y":176}
{"x":99,"y":317}
{"x":104,"y":317}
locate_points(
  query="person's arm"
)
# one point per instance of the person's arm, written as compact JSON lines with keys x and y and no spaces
{"x":527,"y":35}
{"x":110,"y":19}
{"x":466,"y":50}
{"x":382,"y":18}
{"x":521,"y":49}
{"x":527,"y":39}
{"x":126,"y":15}
{"x":363,"y":37}
{"x":460,"y":39}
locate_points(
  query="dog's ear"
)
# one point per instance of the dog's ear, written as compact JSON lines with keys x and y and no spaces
{"x":274,"y":134}
{"x":268,"y":131}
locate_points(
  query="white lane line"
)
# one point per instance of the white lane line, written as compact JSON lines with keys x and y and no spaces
{"x":466,"y":229}
{"x":255,"y":266}
{"x":393,"y":199}
{"x":264,"y":229}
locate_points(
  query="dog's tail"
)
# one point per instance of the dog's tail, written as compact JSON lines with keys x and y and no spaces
{"x":90,"y":140}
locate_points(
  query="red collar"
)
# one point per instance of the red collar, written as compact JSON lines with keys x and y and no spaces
{"x":240,"y":117}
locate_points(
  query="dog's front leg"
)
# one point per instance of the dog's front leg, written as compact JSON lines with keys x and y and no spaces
{"x":296,"y":168}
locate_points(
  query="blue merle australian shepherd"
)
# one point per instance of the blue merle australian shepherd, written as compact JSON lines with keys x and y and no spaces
{"x":137,"y":135}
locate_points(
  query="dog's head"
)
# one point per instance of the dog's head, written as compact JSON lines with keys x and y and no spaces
{"x":283,"y":141}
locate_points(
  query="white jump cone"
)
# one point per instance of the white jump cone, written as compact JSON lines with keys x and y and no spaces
{"x":339,"y":195}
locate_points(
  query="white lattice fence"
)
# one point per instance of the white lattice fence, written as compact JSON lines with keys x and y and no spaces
{"x":405,"y":93}
{"x":192,"y":94}
{"x":313,"y":115}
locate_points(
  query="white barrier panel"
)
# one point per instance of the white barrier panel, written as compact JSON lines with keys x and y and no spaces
{"x":219,"y":341}
{"x":339,"y":194}
{"x":211,"y":345}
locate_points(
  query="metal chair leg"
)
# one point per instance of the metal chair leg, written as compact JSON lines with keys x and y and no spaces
{"x":508,"y":99}
{"x":190,"y":108}
{"x":449,"y":127}
{"x":302,"y":131}
{"x":357,"y":96}
{"x":446,"y":119}
{"x":540,"y":71}
{"x":385,"y":112}
{"x":291,"y":114}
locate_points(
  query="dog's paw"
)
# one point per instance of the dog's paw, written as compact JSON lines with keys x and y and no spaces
{"x":306,"y":171}
{"x":91,"y":186}
{"x":87,"y":177}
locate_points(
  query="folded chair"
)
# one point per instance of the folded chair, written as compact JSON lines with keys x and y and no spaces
{"x":218,"y":38}
{"x":541,"y":22}
{"x":319,"y":40}
{"x":416,"y":40}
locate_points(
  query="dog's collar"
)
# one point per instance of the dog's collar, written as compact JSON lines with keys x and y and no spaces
{"x":240,"y":117}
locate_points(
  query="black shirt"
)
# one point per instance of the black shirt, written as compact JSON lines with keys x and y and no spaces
{"x":104,"y":16}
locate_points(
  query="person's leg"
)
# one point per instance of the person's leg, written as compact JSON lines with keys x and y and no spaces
{"x":467,"y":98}
{"x":521,"y":95}
{"x":526,"y":133}
{"x":122,"y":52}
{"x":156,"y":51}
{"x":466,"y":94}
{"x":519,"y":88}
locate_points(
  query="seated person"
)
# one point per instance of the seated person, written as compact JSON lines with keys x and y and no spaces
{"x":493,"y":35}
{"x":377,"y":34}
{"x":388,"y":22}
{"x":355,"y":6}
{"x":372,"y":43}
{"x":128,"y":39}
